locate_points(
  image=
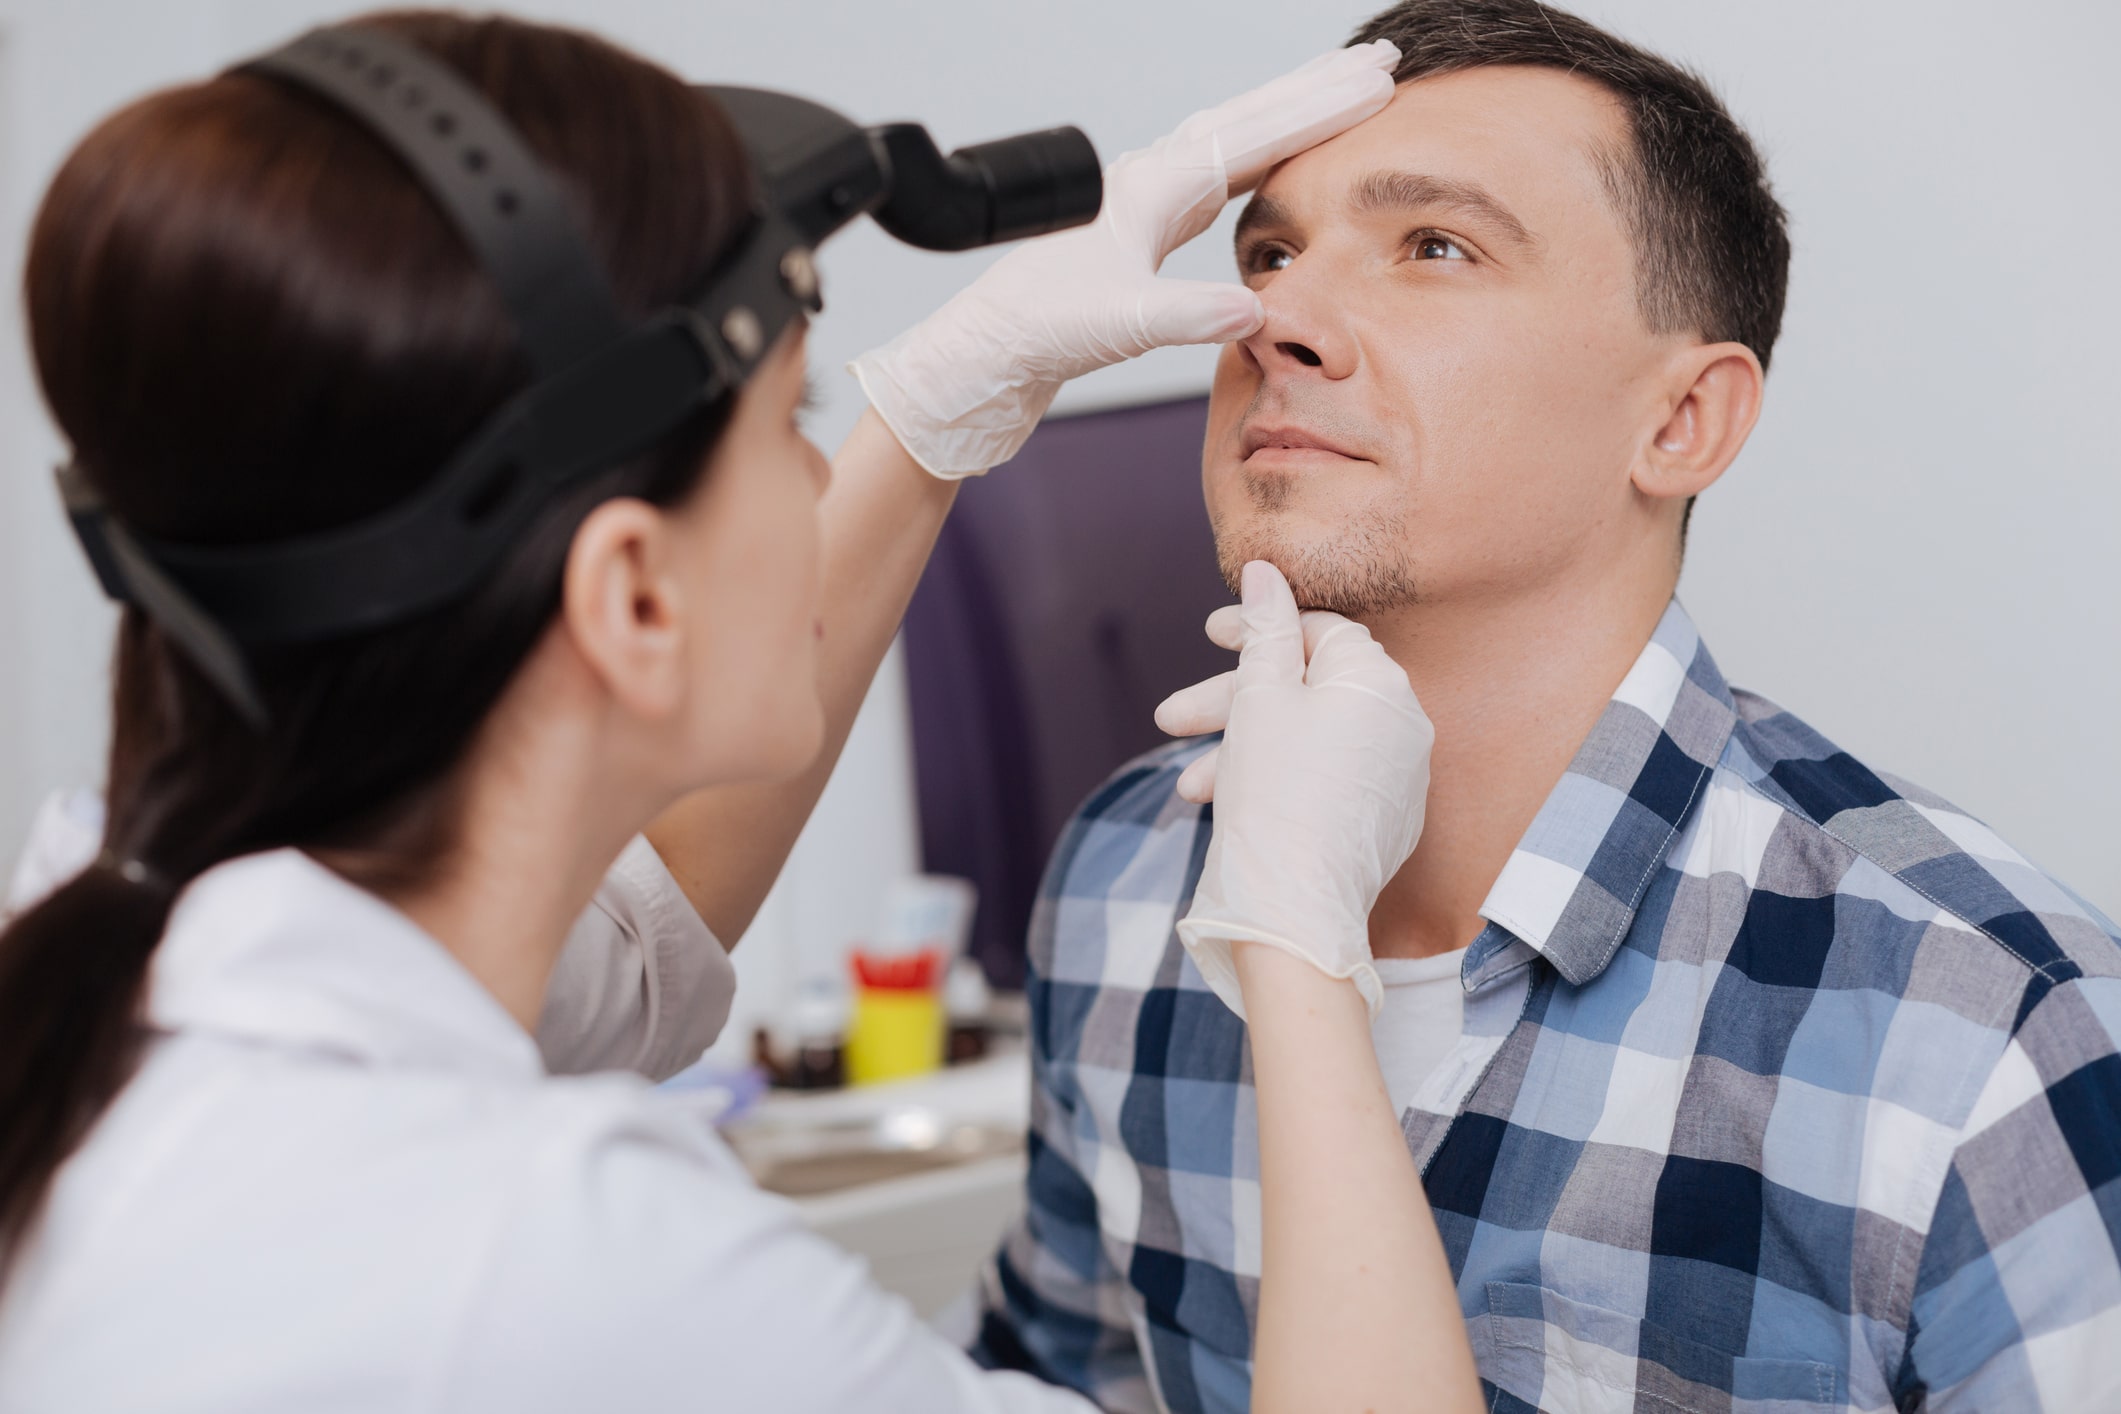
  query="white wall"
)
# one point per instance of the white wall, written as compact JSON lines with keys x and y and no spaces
{"x":1917,"y":551}
{"x":1920,"y":552}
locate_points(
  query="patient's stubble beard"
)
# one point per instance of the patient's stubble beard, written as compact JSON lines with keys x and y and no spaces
{"x":1363,"y":570}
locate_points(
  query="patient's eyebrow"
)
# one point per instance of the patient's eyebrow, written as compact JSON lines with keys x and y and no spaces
{"x":1381,"y":192}
{"x":1408,"y":191}
{"x":1260,"y":211}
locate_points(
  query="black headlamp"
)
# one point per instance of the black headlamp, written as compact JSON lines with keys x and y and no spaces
{"x":606,"y":387}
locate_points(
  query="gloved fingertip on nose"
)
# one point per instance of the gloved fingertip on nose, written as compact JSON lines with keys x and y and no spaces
{"x":1246,"y":317}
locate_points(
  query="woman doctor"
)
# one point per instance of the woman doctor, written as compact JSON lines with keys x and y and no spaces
{"x":273,"y":1130}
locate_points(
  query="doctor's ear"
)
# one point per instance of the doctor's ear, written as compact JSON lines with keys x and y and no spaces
{"x":621,"y":605}
{"x":1711,"y":399}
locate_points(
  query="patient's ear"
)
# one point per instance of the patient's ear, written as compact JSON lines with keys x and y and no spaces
{"x":1711,"y":398}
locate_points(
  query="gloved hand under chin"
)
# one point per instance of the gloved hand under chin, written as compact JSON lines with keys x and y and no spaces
{"x":1319,"y":787}
{"x":963,"y":389}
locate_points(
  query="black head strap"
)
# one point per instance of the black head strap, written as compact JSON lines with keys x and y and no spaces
{"x":475,"y":167}
{"x":128,"y":574}
{"x":607,"y":388}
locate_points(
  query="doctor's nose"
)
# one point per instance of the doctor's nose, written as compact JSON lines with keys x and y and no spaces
{"x":1303,"y":336}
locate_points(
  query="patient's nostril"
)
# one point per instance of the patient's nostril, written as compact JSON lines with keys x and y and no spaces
{"x":1301,"y":354}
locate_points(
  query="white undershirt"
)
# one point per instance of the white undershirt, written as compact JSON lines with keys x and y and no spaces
{"x":1424,"y":1012}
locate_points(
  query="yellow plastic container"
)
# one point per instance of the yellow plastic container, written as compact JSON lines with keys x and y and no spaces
{"x":895,"y":1034}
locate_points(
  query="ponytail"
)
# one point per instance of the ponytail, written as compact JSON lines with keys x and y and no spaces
{"x":74,"y":966}
{"x":73,"y":972}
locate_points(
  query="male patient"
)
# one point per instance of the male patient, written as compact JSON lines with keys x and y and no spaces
{"x":1740,"y":1076}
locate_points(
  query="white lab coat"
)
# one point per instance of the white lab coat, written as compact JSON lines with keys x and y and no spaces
{"x":343,"y":1181}
{"x":642,"y":984}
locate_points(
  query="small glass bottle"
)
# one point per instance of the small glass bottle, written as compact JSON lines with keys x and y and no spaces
{"x":966,"y":999}
{"x":819,"y":1024}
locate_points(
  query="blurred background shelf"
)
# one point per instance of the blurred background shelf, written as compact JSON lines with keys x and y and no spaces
{"x":918,"y":1177}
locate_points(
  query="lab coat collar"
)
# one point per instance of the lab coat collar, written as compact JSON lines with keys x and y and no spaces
{"x":274,"y":949}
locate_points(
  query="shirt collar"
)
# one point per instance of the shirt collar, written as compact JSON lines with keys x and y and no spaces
{"x":1571,"y":887}
{"x":277,"y":950}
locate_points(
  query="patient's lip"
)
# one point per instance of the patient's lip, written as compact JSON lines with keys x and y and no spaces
{"x":1264,"y":436}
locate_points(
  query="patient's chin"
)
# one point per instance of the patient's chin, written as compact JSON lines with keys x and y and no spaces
{"x":1361,"y":571}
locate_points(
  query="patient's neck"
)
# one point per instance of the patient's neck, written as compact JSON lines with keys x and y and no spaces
{"x":1514,"y":686}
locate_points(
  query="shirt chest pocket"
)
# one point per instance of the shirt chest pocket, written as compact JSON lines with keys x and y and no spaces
{"x":1555,"y":1354}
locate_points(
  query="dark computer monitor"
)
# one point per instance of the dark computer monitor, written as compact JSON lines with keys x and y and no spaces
{"x":1064,"y":601}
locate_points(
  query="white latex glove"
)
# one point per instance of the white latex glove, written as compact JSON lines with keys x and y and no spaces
{"x":964,"y":388}
{"x":1205,"y":706}
{"x":1319,"y":786}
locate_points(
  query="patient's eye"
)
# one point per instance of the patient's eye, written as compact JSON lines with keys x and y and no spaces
{"x":1263,"y":259}
{"x":1432,"y":245}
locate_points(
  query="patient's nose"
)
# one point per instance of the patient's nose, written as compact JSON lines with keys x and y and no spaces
{"x":1304,"y":335}
{"x":1302,"y":353}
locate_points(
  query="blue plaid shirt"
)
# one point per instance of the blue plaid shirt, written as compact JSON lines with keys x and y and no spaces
{"x":1784,"y":1086}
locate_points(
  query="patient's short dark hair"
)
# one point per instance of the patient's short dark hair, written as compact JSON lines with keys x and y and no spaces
{"x":1714,"y":249}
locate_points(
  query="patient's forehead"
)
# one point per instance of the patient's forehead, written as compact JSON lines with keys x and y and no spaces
{"x":1533,"y":137}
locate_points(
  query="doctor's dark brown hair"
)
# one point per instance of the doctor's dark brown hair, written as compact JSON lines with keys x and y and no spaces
{"x":251,"y":322}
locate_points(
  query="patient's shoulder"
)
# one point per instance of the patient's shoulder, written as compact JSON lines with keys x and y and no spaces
{"x":1132,"y":840}
{"x":1145,"y":790}
{"x":1943,"y":855}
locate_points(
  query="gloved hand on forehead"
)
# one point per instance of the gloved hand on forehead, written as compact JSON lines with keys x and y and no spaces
{"x":964,"y":388}
{"x":1319,"y":785}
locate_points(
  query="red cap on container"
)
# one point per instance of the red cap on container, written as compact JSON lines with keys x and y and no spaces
{"x":905,"y":972}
